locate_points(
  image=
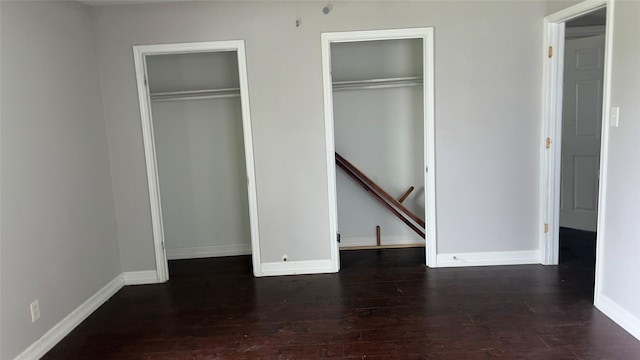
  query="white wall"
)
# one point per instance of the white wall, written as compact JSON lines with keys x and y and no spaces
{"x":58,"y":219}
{"x":380,"y":131}
{"x":620,"y":288}
{"x":487,"y":115}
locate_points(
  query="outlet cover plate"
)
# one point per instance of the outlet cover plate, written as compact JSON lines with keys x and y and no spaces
{"x":35,"y":310}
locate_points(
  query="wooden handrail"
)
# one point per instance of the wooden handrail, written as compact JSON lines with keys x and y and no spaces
{"x":368,"y":182}
{"x":380,"y":199}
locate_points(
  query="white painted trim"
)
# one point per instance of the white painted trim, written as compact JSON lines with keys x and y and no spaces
{"x":384,"y":240}
{"x":141,"y":277}
{"x":71,"y":321}
{"x":151,"y":164}
{"x":550,"y":159}
{"x":431,"y":247}
{"x":551,"y":126}
{"x":426,"y":34}
{"x":297,"y":267}
{"x":604,"y":150}
{"x":619,"y":315}
{"x":208,"y":251}
{"x":489,"y":258}
{"x":548,"y":77}
{"x":140,"y":53}
{"x":327,"y":90}
{"x":247,"y":132}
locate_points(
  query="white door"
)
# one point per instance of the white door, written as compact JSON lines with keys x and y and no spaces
{"x":581,"y":126}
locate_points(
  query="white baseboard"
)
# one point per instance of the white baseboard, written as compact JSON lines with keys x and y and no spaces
{"x":618,"y":314}
{"x":488,"y":258}
{"x":384,"y":240}
{"x":208,"y":251}
{"x":66,"y":325}
{"x":140,"y":277}
{"x":296,"y":267}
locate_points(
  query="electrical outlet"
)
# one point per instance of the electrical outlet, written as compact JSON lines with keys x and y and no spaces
{"x":35,"y":310}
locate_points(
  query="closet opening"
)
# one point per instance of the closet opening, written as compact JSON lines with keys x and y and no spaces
{"x":199,"y":153}
{"x":380,"y":139}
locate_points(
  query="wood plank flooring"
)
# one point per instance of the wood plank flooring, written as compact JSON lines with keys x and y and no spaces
{"x":384,"y":304}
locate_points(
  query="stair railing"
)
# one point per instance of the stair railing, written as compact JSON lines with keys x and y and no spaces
{"x":388,"y":201}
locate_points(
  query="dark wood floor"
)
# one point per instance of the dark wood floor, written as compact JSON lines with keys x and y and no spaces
{"x":382,"y":304}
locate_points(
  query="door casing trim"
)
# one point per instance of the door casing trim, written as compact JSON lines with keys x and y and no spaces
{"x":554,"y":33}
{"x":427,"y":36}
{"x":140,"y":53}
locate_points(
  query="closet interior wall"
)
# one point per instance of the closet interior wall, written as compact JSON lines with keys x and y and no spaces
{"x":379,"y":127}
{"x":197,"y":125}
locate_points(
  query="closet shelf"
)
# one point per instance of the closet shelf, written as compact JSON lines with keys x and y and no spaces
{"x":378,"y":83}
{"x":195,"y":94}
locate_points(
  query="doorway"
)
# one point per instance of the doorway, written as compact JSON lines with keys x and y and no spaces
{"x":362,"y":71}
{"x":573,"y":156}
{"x":198,"y":150}
{"x":583,"y":74}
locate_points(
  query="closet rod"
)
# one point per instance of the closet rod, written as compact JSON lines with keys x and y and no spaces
{"x":378,"y":83}
{"x":195,"y":94}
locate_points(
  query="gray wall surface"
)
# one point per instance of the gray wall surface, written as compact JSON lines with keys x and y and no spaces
{"x":557,"y":5}
{"x":195,"y":71}
{"x":58,"y":231}
{"x":58,"y":214}
{"x":620,"y":241}
{"x":487,"y":115}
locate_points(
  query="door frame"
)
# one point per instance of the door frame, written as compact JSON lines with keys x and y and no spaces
{"x":140,"y":53}
{"x":550,"y":158}
{"x":426,"y":34}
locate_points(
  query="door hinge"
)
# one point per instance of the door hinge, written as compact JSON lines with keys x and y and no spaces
{"x":338,"y":237}
{"x":145,"y":81}
{"x":546,"y":228}
{"x":548,"y":143}
{"x":163,"y":246}
{"x":550,"y":52}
